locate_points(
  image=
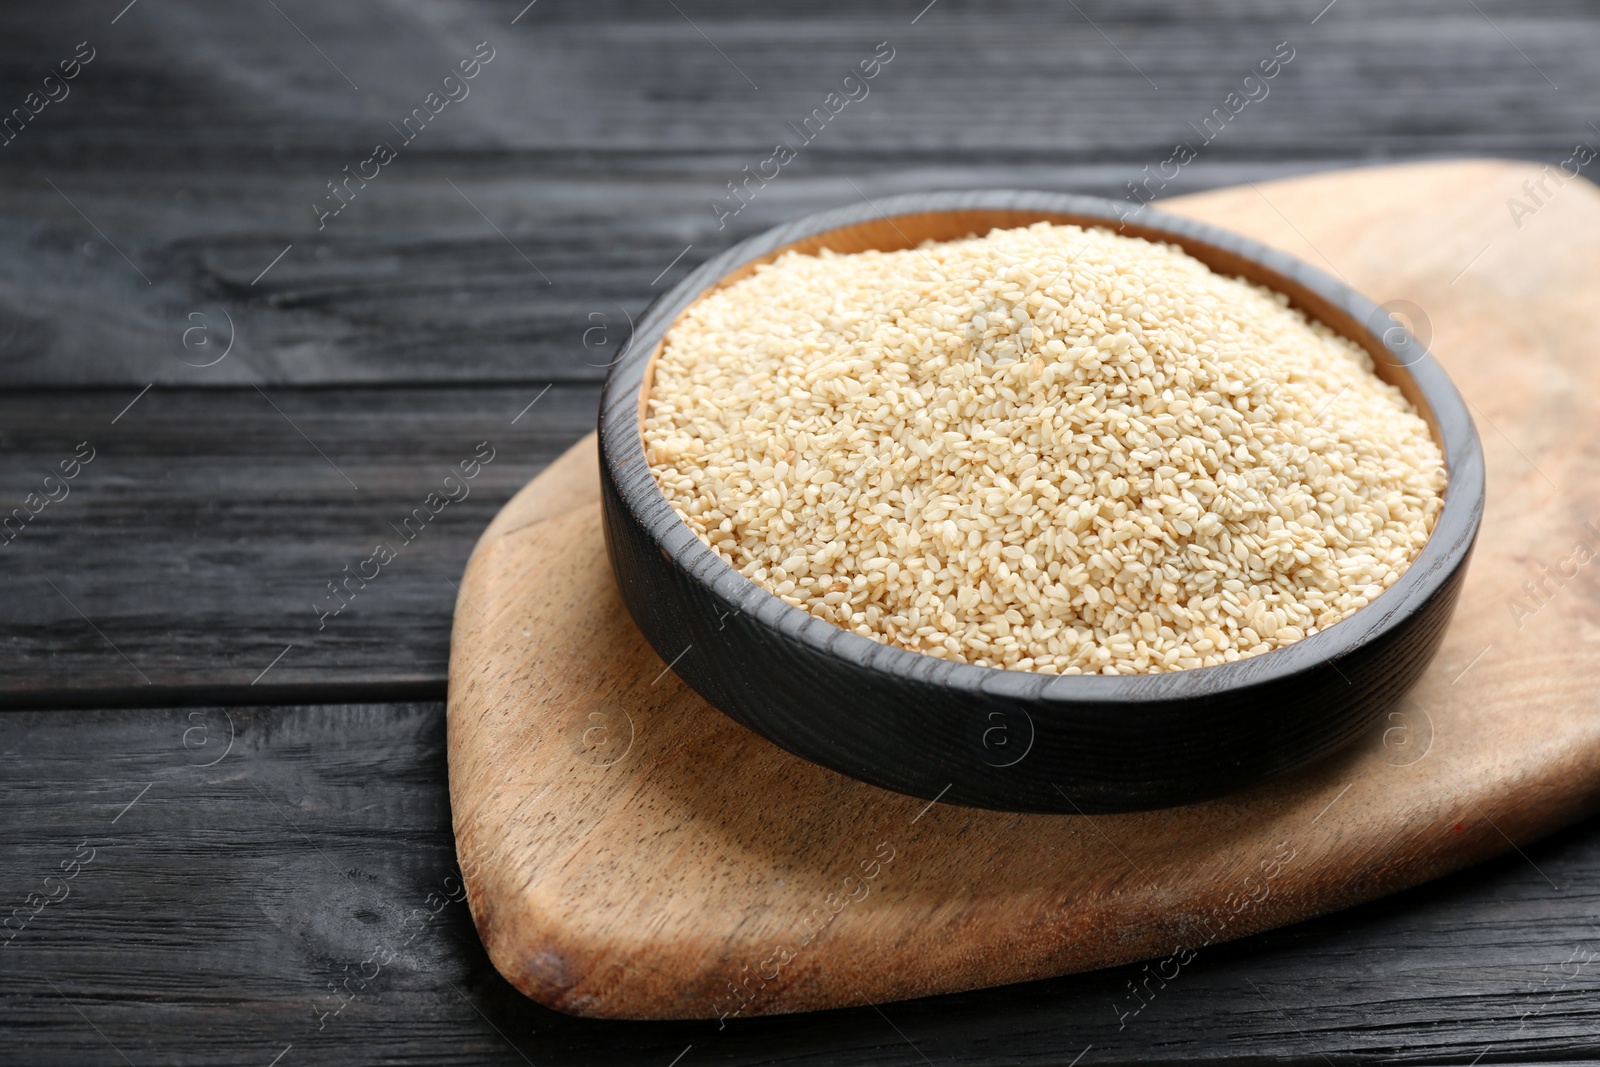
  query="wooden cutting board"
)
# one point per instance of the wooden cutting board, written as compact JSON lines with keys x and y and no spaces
{"x":631,"y":853}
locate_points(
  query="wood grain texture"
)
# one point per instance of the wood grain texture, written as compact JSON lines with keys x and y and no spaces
{"x":199,"y":541}
{"x":221,"y":904}
{"x":632,"y":853}
{"x":200,"y":135}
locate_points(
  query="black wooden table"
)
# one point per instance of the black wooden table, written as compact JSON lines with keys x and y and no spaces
{"x":257,"y":342}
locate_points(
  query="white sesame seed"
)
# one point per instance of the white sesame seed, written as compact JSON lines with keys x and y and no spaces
{"x":1047,"y":449}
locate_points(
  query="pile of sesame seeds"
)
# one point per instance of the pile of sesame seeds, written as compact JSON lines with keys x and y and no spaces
{"x":1049,"y":449}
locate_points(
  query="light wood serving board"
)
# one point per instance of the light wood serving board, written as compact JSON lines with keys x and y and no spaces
{"x":629,"y":852}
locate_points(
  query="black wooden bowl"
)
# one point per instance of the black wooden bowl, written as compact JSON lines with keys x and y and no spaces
{"x":1015,"y":740}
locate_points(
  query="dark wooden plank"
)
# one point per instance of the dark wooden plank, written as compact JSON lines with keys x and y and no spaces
{"x":222,"y":900}
{"x":200,"y":539}
{"x":418,"y":289}
{"x":599,"y":136}
{"x":1022,"y":76}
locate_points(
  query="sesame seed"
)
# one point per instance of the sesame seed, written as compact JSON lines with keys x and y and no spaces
{"x":1049,"y":449}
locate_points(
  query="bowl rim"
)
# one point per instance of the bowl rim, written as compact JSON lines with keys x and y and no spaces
{"x":622,"y":458}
